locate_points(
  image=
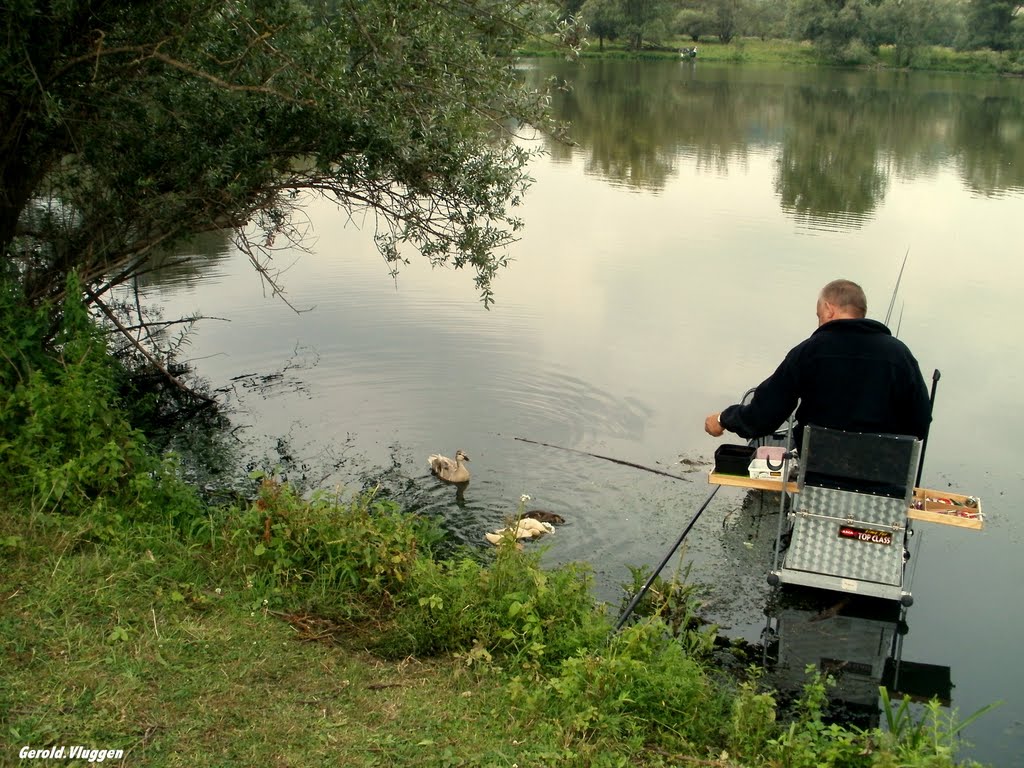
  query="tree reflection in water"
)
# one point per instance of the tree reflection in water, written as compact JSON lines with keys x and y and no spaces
{"x":839,"y":137}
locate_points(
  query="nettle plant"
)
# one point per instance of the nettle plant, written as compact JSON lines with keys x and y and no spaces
{"x":501,"y":608}
{"x":66,"y":445}
{"x":327,"y":545}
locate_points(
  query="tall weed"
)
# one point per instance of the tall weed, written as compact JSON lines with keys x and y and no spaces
{"x":753,"y":721}
{"x":325,"y":550}
{"x":642,"y":688}
{"x":510,"y":607}
{"x":65,"y":444}
{"x":933,"y":735}
{"x":926,"y":741}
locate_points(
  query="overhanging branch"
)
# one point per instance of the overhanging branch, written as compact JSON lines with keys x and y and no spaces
{"x":96,"y":301}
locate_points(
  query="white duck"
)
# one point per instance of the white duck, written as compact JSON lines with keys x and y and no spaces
{"x":526,"y":528}
{"x":450,"y":470}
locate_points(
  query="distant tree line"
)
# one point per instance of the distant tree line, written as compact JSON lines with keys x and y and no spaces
{"x":847,"y":30}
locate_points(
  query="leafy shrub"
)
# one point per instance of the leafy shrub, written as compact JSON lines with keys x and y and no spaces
{"x":987,"y":61}
{"x":676,"y":603}
{"x":921,"y":58}
{"x":856,"y":53}
{"x":982,"y":61}
{"x":642,"y":688}
{"x":810,"y":741}
{"x":65,"y":444}
{"x":510,"y":608}
{"x":327,"y":548}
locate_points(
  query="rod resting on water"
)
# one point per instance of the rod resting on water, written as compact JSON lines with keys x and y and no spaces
{"x":607,"y":458}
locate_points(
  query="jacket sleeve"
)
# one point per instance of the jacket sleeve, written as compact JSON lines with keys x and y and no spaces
{"x":772,"y":403}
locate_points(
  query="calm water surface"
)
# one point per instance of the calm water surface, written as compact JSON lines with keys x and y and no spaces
{"x":669,"y":261}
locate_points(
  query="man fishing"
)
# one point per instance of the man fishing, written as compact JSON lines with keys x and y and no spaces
{"x":850,"y":374}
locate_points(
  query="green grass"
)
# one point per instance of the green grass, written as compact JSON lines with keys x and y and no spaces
{"x":158,"y":647}
{"x":159,"y":653}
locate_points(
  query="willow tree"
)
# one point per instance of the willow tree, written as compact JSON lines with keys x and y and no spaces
{"x":127,"y":127}
{"x":646,"y":20}
{"x":990,"y":23}
{"x":836,"y":27}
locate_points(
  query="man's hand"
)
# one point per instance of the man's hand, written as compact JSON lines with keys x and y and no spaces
{"x":713,"y":426}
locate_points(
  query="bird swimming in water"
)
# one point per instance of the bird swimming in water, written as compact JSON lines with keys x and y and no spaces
{"x":526,"y":528}
{"x":450,"y":470}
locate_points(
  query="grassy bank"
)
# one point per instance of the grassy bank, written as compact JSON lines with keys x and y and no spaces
{"x":161,"y":653}
{"x":218,"y":649}
{"x":790,"y":53}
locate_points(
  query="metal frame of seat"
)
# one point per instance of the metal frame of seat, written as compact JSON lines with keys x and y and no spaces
{"x":850,"y":513}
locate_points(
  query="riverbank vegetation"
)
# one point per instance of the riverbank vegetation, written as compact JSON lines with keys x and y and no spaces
{"x":780,"y":52}
{"x":309,"y":628}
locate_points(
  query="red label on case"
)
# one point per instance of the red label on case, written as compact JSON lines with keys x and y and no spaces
{"x":866,"y":535}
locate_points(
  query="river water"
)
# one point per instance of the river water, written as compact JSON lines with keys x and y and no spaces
{"x":670,"y":259}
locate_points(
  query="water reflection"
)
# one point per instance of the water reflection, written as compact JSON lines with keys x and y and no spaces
{"x":857,"y":641}
{"x":633,"y":120}
{"x":828,"y":171}
{"x":189,"y":263}
{"x":991,"y":139}
{"x":839,"y":138}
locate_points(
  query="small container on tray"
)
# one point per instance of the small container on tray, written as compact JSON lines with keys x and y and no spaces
{"x":733,"y":459}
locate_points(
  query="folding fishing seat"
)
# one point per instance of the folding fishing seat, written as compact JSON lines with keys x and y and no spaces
{"x":850,"y":513}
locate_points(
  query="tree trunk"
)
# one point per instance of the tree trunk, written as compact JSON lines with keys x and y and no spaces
{"x":17,"y":180}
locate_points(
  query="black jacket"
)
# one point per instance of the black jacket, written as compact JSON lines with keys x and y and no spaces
{"x":849,"y":374}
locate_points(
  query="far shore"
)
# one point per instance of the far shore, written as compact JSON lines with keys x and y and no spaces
{"x":787,"y":52}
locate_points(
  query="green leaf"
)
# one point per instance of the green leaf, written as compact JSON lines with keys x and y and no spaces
{"x":118,"y":635}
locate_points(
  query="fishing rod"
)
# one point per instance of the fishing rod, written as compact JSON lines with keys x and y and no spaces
{"x":931,"y":410}
{"x":896,"y":288}
{"x":935,"y":376}
{"x":668,"y":555}
{"x":782,"y":502}
{"x":607,"y":458}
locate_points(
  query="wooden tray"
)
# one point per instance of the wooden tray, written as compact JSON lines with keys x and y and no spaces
{"x":957,"y":513}
{"x":741,"y":481}
{"x":954,"y":509}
